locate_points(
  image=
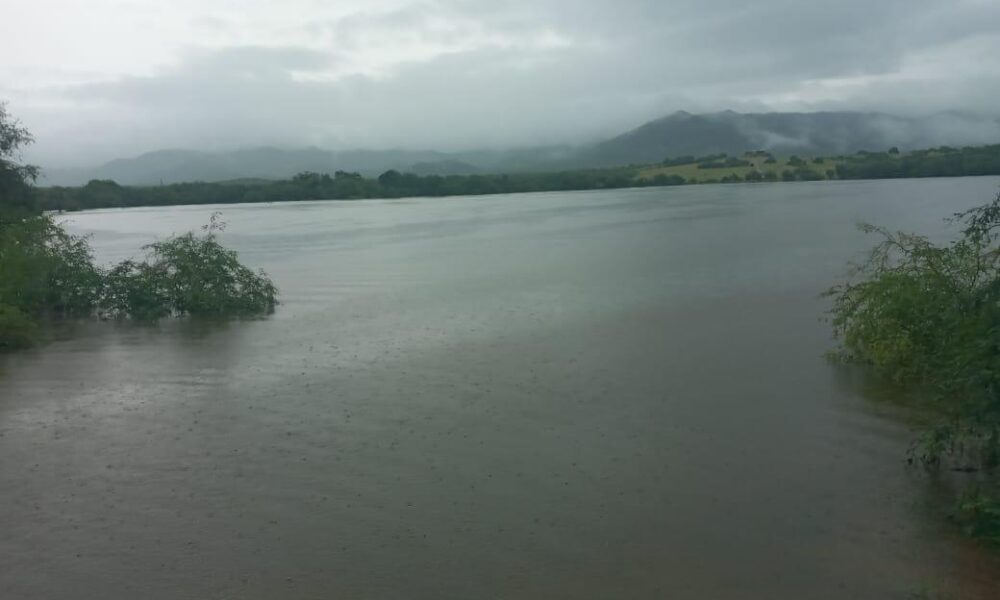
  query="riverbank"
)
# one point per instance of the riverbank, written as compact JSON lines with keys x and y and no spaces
{"x":754,"y":167}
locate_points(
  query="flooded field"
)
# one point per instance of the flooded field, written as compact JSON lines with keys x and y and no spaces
{"x":615,"y":394}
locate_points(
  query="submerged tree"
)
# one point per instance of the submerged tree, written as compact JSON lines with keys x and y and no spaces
{"x":46,"y":271}
{"x":34,"y":260}
{"x":927,"y":317}
{"x":16,"y":179}
{"x":188,"y":274}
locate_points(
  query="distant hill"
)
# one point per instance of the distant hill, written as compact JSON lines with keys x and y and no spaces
{"x":176,"y":166}
{"x":820,"y":133}
{"x":679,"y":134}
{"x":173,"y":166}
{"x":444,"y":167}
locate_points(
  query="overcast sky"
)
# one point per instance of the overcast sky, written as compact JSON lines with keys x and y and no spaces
{"x":99,"y":79}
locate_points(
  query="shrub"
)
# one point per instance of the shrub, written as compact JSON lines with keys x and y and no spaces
{"x":662,"y":179}
{"x":45,"y":269}
{"x":723,"y":163}
{"x":805,"y":174}
{"x":47,"y":272}
{"x":17,"y":330}
{"x":977,"y":512}
{"x":137,"y":290}
{"x":927,"y":318}
{"x":679,"y":160}
{"x":188,"y":274}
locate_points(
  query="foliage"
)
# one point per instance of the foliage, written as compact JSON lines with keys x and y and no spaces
{"x":723,"y":163}
{"x":341,"y":186}
{"x":678,"y":160}
{"x":188,"y":274}
{"x":136,"y":289}
{"x":17,"y":330}
{"x":344,"y":185}
{"x":47,"y":272}
{"x":927,"y":317}
{"x":935,"y":162}
{"x":662,"y":179}
{"x":800,"y":174}
{"x":977,"y":512}
{"x":44,"y":269}
{"x":16,"y":195}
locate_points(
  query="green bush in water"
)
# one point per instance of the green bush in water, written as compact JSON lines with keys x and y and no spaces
{"x":188,"y":275}
{"x":927,"y":317}
{"x":17,"y":330}
{"x":977,"y":512}
{"x":46,"y":270}
{"x":137,"y":290}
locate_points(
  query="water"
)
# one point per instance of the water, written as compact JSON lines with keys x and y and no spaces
{"x":614,"y":394}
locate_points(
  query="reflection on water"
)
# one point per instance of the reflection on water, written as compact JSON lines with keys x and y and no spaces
{"x":576,"y":395}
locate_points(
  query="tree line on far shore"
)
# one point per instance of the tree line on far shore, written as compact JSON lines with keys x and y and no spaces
{"x":342,"y":185}
{"x":321,"y":186}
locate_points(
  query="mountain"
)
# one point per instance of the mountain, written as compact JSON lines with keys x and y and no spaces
{"x":444,"y":167}
{"x":172,"y":166}
{"x":678,"y":134}
{"x":819,"y":133}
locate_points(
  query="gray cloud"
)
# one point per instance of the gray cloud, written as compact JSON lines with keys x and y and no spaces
{"x":469,"y":73}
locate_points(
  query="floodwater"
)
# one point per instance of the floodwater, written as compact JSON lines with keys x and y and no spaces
{"x":608,"y":394}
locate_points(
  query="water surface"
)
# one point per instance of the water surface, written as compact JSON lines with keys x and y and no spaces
{"x":613,"y":394}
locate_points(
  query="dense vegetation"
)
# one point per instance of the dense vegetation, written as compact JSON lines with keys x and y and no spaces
{"x":186,"y":274}
{"x":936,"y":162}
{"x":340,"y":186}
{"x":927,"y":318}
{"x":46,"y":272}
{"x":759,"y":166}
{"x":763,"y":166}
{"x":723,"y":162}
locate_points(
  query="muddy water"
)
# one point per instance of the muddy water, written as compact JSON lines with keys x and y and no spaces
{"x":575,"y":395}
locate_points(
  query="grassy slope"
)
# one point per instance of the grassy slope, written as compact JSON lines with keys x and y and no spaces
{"x":690,"y":172}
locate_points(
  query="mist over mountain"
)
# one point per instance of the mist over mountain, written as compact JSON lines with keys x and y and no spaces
{"x":678,"y":134}
{"x":820,"y":133}
{"x":173,"y":166}
{"x":176,"y":166}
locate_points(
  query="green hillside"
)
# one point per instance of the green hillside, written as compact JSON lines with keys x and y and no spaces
{"x":765,"y":166}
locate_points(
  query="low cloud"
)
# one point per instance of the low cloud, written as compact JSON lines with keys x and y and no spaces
{"x":469,"y":73}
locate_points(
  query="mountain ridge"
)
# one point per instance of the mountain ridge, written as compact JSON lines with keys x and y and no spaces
{"x":677,"y":134}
